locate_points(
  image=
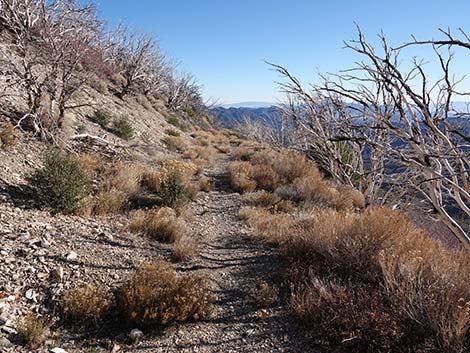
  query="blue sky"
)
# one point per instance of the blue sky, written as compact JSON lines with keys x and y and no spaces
{"x":224,"y":42}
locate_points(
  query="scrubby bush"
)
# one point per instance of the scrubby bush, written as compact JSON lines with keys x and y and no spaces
{"x":171,"y":132}
{"x":293,"y":177}
{"x":184,"y":248}
{"x":107,"y":202}
{"x":60,"y":184}
{"x":85,"y":303}
{"x":125,"y":177}
{"x":269,"y":201}
{"x":33,"y":330}
{"x":395,"y":287}
{"x":173,"y":192}
{"x":101,"y":118}
{"x":156,"y":295}
{"x":265,"y":295}
{"x":7,"y":135}
{"x":123,"y":129}
{"x":175,"y":143}
{"x":346,"y":318}
{"x":241,"y":176}
{"x":160,"y":224}
{"x":89,"y":162}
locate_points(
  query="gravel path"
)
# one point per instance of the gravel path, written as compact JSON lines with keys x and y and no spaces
{"x":234,"y":265}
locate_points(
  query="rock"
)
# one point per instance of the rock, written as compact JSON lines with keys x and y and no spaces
{"x":59,"y":273}
{"x":42,"y":275}
{"x":136,"y":335}
{"x":9,"y":330}
{"x":58,"y":350}
{"x":72,"y":256}
{"x":5,"y":343}
{"x":45,"y":244}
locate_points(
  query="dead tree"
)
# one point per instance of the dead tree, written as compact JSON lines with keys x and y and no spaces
{"x":139,"y":61}
{"x":432,"y":152}
{"x":50,"y":44}
{"x":337,"y":135}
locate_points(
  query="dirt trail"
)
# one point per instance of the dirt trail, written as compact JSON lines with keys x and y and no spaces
{"x":234,"y":265}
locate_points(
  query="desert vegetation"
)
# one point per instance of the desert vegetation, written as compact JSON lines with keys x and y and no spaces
{"x":360,"y":279}
{"x":390,"y":132}
{"x":111,"y":224}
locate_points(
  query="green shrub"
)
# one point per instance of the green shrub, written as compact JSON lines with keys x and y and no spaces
{"x":172,"y":132}
{"x":123,"y":129}
{"x":101,"y":118}
{"x":60,"y":184}
{"x":173,"y":120}
{"x":173,"y":192}
{"x":190,"y":111}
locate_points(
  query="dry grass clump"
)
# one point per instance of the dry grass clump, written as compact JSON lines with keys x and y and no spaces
{"x":125,"y":177}
{"x":205,"y":184}
{"x":7,"y":135}
{"x":106,"y":202}
{"x":270,"y":201}
{"x":86,"y":303}
{"x":175,"y":143}
{"x":90,"y":163}
{"x":33,"y":330}
{"x":265,"y":295}
{"x":156,"y":295}
{"x":243,"y":153}
{"x":273,"y":228}
{"x":161,"y":224}
{"x":241,"y":177}
{"x":185,"y":248}
{"x":172,"y":183}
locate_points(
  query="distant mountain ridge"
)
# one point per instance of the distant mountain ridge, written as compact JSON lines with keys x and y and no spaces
{"x":232,"y":115}
{"x":249,"y":104}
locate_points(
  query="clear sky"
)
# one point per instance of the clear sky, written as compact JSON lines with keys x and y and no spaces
{"x":224,"y":42}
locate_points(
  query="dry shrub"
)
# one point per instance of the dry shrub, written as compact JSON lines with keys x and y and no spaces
{"x":85,"y":303}
{"x":175,"y":143}
{"x":161,"y":224}
{"x":156,"y":295}
{"x":222,"y":148}
{"x":206,"y":153}
{"x":185,"y":248}
{"x":240,"y":176}
{"x":243,"y":153}
{"x":349,"y":245}
{"x":125,"y":177}
{"x":386,"y":270}
{"x":293,"y":177}
{"x":274,"y":228}
{"x":33,"y":330}
{"x":107,"y":202}
{"x":89,"y":162}
{"x":265,"y":295}
{"x":430,"y":286}
{"x":7,"y":135}
{"x":205,"y":184}
{"x":270,"y":201}
{"x":170,"y":169}
{"x":344,"y":317}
